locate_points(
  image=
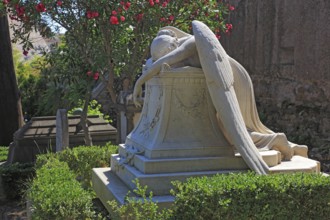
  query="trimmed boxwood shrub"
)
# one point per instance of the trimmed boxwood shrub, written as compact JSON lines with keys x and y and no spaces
{"x":15,"y":179}
{"x":55,"y":194}
{"x":251,"y":196}
{"x":82,"y":160}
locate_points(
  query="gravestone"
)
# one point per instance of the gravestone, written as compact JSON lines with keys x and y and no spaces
{"x":62,"y":130}
{"x":198,"y":119}
{"x":39,"y":136}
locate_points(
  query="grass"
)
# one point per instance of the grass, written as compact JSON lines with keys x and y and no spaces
{"x":3,"y":153}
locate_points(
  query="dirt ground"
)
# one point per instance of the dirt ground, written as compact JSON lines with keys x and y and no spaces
{"x":13,"y":210}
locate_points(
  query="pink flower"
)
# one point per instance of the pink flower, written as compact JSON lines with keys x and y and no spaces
{"x":95,"y":14}
{"x":231,"y":8}
{"x":218,"y":36}
{"x":122,"y":3}
{"x":59,"y":3}
{"x":151,"y":3}
{"x":122,"y":18}
{"x":114,"y":12}
{"x":139,"y":17}
{"x":127,"y":5}
{"x":162,"y":19}
{"x":92,"y":14}
{"x":171,"y":18}
{"x":229,"y":28}
{"x":157,"y":1}
{"x":114,"y":20}
{"x":89,"y":73}
{"x":5,"y":2}
{"x":40,"y":7}
{"x":96,"y":76}
{"x":20,"y":10}
{"x":89,"y":14}
{"x":25,"y":52}
{"x":164,"y":4}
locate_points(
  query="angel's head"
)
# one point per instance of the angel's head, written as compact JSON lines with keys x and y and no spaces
{"x":165,"y":42}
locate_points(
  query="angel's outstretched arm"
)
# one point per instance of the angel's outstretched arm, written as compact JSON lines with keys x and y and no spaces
{"x":187,"y":49}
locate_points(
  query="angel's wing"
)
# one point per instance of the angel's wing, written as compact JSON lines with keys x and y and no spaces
{"x":219,"y":78}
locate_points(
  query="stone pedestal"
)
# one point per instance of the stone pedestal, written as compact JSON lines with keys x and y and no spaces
{"x":178,"y":118}
{"x":177,"y":137}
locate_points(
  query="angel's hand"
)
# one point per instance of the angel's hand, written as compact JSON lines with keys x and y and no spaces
{"x":165,"y":67}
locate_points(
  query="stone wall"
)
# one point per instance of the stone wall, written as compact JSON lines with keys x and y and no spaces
{"x":285,"y":46}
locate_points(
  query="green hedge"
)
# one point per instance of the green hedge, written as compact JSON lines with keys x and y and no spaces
{"x":230,"y":196}
{"x":15,"y":179}
{"x":82,"y":160}
{"x":62,"y":187}
{"x":55,"y":194}
{"x":250,"y":196}
{"x":3,"y":153}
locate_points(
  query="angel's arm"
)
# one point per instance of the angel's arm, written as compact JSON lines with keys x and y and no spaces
{"x":187,"y":49}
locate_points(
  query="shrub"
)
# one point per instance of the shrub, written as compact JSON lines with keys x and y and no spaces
{"x":251,"y":196}
{"x":82,"y":160}
{"x":3,"y":153}
{"x":139,"y":209}
{"x":15,"y":179}
{"x":55,"y":194}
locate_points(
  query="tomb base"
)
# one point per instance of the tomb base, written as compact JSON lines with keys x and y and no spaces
{"x":177,"y":137}
{"x":108,"y":185}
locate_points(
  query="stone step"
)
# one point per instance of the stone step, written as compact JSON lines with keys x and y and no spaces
{"x":183,"y":150}
{"x":116,"y":183}
{"x":175,"y":165}
{"x":172,"y":165}
{"x":108,"y":186}
{"x":297,"y":164}
{"x":158,"y":183}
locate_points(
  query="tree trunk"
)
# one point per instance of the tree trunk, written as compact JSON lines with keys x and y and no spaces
{"x":84,"y":121}
{"x":11,"y":117}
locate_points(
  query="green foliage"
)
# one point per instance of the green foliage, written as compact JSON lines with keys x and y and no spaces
{"x":82,"y":160}
{"x":3,"y":153}
{"x":55,"y":194}
{"x":15,"y":179}
{"x":94,"y":108}
{"x":139,"y":209}
{"x":250,"y":196}
{"x":31,"y":82}
{"x":110,"y":38}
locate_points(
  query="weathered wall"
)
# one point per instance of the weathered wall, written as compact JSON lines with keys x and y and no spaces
{"x":285,"y":46}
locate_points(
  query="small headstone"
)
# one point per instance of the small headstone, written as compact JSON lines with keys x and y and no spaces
{"x":62,"y":130}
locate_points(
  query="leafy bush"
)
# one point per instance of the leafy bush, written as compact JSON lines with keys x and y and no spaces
{"x":82,"y":160}
{"x":250,"y":196}
{"x":3,"y":153}
{"x":55,"y":194}
{"x":139,"y":209}
{"x":15,"y":179}
{"x":94,"y":108}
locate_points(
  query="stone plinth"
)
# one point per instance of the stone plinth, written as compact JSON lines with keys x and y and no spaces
{"x":178,"y":118}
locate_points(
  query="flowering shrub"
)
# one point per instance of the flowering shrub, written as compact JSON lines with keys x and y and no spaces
{"x":111,"y":37}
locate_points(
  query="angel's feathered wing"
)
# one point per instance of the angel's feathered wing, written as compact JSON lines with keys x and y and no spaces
{"x":220,"y":80}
